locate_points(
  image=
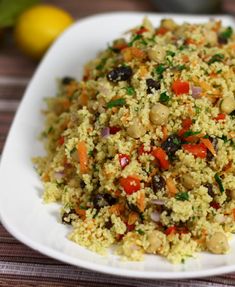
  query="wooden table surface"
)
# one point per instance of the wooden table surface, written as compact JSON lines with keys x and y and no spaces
{"x":19,"y":265}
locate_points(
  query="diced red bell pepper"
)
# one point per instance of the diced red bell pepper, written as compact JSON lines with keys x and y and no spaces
{"x":114,"y":130}
{"x":161,"y":31}
{"x":215,"y":205}
{"x":130,"y":184}
{"x":198,"y":150}
{"x":220,"y":117}
{"x":170,"y":230}
{"x":124,"y":160}
{"x":179,"y":87}
{"x":130,"y":227}
{"x":182,"y":230}
{"x":141,"y":31}
{"x":186,"y":124}
{"x":162,"y":157}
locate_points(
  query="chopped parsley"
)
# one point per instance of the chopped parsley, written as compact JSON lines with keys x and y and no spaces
{"x":176,"y":141}
{"x":216,"y":58}
{"x":180,"y":67}
{"x":135,"y":38}
{"x":160,"y":69}
{"x":91,"y":152}
{"x":50,"y":130}
{"x":219,"y":182}
{"x":164,"y":98}
{"x":227,"y":33}
{"x":183,"y":196}
{"x":140,"y":231}
{"x":219,"y":71}
{"x":190,"y":133}
{"x":198,"y":110}
{"x":116,"y":103}
{"x":100,"y":66}
{"x":130,"y":91}
{"x":170,"y":53}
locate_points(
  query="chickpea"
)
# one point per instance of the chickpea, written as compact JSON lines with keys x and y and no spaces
{"x":189,"y":182}
{"x":157,"y":55}
{"x":168,"y":24}
{"x":154,"y":241}
{"x":136,"y":129}
{"x":159,"y":114}
{"x":217,"y":243}
{"x":228,"y":104}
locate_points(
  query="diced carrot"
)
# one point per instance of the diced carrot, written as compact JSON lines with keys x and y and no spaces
{"x":162,"y":157}
{"x":81,"y":213}
{"x":132,"y":52}
{"x":84,"y":99}
{"x":143,"y":71}
{"x":198,"y":150}
{"x":186,"y":123}
{"x":171,"y":186}
{"x":71,"y":88}
{"x":165,"y":133}
{"x":137,"y":53}
{"x":141,"y":31}
{"x":209,"y":145}
{"x":189,"y":41}
{"x":83,"y":157}
{"x":140,"y":201}
{"x":161,"y":31}
{"x":132,"y":217}
{"x":185,"y":58}
{"x":170,"y":230}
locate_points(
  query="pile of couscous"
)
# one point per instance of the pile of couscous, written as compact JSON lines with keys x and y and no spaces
{"x":141,"y":152}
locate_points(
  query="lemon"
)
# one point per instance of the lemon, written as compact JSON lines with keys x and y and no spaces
{"x":38,"y":27}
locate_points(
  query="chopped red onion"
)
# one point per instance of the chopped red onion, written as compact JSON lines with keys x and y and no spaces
{"x":105,"y":132}
{"x":155,"y":216}
{"x":196,"y":92}
{"x":158,"y":201}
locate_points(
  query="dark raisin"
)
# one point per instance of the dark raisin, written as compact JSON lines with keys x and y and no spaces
{"x":133,"y":207}
{"x":151,"y":85}
{"x":118,"y":74}
{"x":103,"y":199}
{"x":171,"y":144}
{"x":158,"y":183}
{"x":222,"y":40}
{"x":66,"y":216}
{"x":67,"y":80}
{"x":214,"y":141}
{"x":108,"y":224}
{"x":210,"y":189}
{"x":82,"y":184}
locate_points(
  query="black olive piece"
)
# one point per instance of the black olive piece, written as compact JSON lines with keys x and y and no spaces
{"x":133,"y":207}
{"x":67,"y":80}
{"x":66,"y":215}
{"x":82,"y":184}
{"x":118,"y":74}
{"x":222,"y":40}
{"x":158,"y":183}
{"x":210,"y":156}
{"x":103,"y":199}
{"x":209,"y":187}
{"x":152,"y":84}
{"x":108,"y":224}
{"x":172,"y":144}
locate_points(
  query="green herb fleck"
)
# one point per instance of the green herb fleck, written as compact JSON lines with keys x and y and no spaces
{"x":116,"y":103}
{"x":164,"y":98}
{"x":160,"y":69}
{"x":219,"y":182}
{"x":198,"y":110}
{"x":182,"y":47}
{"x":183,"y":196}
{"x":50,"y":130}
{"x":135,"y":38}
{"x":91,"y":152}
{"x":176,"y":141}
{"x":101,"y":64}
{"x":73,"y":150}
{"x":219,"y":71}
{"x":170,"y":53}
{"x":140,"y":231}
{"x":190,"y":133}
{"x":216,"y":58}
{"x":180,"y":67}
{"x":83,"y":207}
{"x":130,"y":91}
{"x":227,"y":33}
